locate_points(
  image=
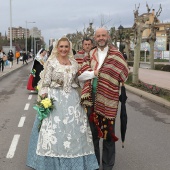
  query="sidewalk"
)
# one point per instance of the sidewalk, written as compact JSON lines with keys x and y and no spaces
{"x":8,"y":70}
{"x":154,"y":77}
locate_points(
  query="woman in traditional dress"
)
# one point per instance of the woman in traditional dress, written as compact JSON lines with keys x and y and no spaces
{"x":64,"y":141}
{"x":38,"y":66}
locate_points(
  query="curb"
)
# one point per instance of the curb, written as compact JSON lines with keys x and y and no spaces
{"x":13,"y":70}
{"x":149,"y":96}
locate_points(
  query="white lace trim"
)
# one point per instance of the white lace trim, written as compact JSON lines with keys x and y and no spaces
{"x":66,"y":156}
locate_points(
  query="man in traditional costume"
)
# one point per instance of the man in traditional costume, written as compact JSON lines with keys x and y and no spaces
{"x":102,"y":71}
{"x":87,"y":45}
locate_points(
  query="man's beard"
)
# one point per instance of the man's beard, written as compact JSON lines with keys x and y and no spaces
{"x":103,"y":44}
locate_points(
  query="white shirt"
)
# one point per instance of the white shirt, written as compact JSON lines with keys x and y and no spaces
{"x":1,"y":55}
{"x":90,"y":74}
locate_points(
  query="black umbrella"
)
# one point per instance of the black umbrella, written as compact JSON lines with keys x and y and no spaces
{"x":123,"y":114}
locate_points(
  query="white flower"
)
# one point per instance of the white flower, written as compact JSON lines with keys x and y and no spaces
{"x":57,"y":119}
{"x":69,"y":137}
{"x":66,"y":144}
{"x":89,"y":135}
{"x":77,"y":114}
{"x":53,"y":140}
{"x":71,"y":110}
{"x":82,"y":129}
{"x":65,"y":121}
{"x":54,"y":126}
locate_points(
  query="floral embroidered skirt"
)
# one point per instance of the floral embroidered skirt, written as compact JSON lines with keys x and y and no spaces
{"x":64,"y":141}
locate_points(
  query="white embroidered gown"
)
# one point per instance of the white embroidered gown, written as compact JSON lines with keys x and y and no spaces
{"x":65,"y":135}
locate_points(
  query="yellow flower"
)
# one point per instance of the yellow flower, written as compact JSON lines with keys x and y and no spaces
{"x":46,"y":103}
{"x":38,"y":88}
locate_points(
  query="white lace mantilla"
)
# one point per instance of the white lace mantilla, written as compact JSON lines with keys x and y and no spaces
{"x":58,"y":75}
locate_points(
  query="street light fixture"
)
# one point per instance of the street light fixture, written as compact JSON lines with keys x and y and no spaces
{"x":26,"y":35}
{"x":168,"y":39}
{"x":35,"y":45}
{"x":120,"y":28}
{"x":10,"y":25}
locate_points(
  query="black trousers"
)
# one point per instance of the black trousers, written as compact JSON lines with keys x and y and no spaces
{"x":108,"y":152}
{"x":1,"y":65}
{"x":17,"y":60}
{"x":24,"y":60}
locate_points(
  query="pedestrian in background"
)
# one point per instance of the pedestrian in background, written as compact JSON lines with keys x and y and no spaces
{"x":25,"y":57}
{"x":38,"y":65}
{"x":125,"y":55}
{"x":17,"y":55}
{"x":1,"y":61}
{"x":87,"y":45}
{"x":102,"y":71}
{"x":10,"y":58}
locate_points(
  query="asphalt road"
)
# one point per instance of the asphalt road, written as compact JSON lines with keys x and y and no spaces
{"x":147,"y":139}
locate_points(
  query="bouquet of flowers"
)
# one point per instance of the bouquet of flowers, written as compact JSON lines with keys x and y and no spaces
{"x":43,"y":108}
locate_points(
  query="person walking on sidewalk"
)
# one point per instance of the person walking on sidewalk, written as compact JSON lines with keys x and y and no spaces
{"x":102,"y":71}
{"x":17,"y":55}
{"x":25,"y":57}
{"x":10,"y":58}
{"x":1,"y":61}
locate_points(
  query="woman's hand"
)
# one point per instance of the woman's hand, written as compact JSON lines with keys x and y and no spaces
{"x":44,"y":95}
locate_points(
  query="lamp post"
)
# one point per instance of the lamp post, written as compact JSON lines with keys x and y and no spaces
{"x":35,"y":45}
{"x":10,"y":25}
{"x":26,"y":35}
{"x":168,"y":38}
{"x":120,"y":28}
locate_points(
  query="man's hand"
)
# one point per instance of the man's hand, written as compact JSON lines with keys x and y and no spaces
{"x":96,"y":72}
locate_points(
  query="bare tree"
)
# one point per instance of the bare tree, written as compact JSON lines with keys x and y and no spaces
{"x":104,"y":20}
{"x":152,"y":36}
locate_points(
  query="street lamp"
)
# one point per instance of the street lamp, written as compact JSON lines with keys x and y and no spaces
{"x":120,"y":28}
{"x":35,"y":45}
{"x":10,"y":25}
{"x":26,"y":35}
{"x":168,"y":39}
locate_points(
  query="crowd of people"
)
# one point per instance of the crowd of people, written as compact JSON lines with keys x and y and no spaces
{"x":7,"y":59}
{"x":69,"y":136}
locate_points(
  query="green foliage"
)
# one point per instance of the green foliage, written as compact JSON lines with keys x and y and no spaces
{"x":161,"y":60}
{"x":159,"y":66}
{"x":162,"y":67}
{"x":153,"y":89}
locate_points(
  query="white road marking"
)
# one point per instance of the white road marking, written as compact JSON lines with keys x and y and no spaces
{"x":27,"y":106}
{"x":32,"y":91}
{"x":29,"y":97}
{"x":13,"y":146}
{"x":21,"y":122}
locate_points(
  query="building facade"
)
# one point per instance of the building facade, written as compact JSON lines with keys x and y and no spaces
{"x":18,"y":32}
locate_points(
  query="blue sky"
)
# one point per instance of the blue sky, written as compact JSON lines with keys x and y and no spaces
{"x":56,"y":18}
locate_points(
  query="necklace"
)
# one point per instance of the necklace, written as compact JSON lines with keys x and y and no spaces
{"x":67,"y":62}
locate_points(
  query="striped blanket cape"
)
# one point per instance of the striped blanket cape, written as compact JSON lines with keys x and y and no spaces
{"x":113,"y":71}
